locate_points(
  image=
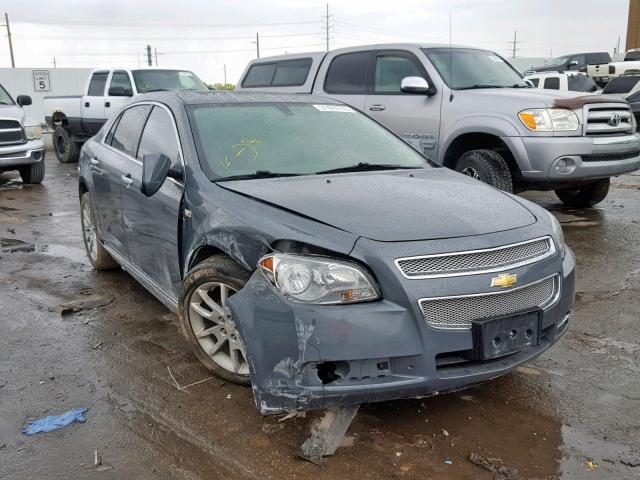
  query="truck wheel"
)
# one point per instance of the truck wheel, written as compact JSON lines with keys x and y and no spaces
{"x":487,"y":166}
{"x":206,"y":319}
{"x":585,"y":196}
{"x":65,"y":146}
{"x":32,"y":174}
{"x":98,"y":255}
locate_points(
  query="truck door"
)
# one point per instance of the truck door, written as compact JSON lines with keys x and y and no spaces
{"x":93,"y":103}
{"x":346,"y":78}
{"x":118,"y":93}
{"x":415,"y":118}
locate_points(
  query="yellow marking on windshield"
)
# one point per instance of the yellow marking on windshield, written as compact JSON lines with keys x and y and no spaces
{"x":246,"y":149}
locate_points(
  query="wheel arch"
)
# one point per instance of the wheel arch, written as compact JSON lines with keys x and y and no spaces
{"x":59,"y":118}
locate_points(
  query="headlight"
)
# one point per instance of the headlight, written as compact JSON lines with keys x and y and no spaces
{"x":557,"y":234}
{"x":33,"y":133}
{"x":549,"y":120}
{"x":318,"y":280}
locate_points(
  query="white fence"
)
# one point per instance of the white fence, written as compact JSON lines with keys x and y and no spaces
{"x":41,"y":82}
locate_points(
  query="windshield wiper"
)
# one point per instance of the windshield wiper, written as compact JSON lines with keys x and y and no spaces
{"x":521,"y":85}
{"x":157,"y":90}
{"x":474,"y":87}
{"x":365,"y":166}
{"x":257,"y":174}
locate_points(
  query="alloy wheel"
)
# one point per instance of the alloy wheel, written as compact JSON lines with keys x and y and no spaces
{"x":89,"y":231}
{"x":471,"y":172}
{"x":211,"y":323}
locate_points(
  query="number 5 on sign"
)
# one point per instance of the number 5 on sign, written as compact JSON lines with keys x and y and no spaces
{"x":41,"y":81}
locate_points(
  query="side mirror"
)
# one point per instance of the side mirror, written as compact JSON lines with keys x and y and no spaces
{"x":23,"y":100}
{"x":155,"y":168}
{"x":415,"y":85}
{"x":572,"y":65}
{"x":120,"y":92}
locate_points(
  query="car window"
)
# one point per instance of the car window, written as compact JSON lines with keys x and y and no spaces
{"x":552,"y":83}
{"x":5,"y":98}
{"x":121,"y":79}
{"x":159,"y":136}
{"x":292,"y":72}
{"x":621,"y":84}
{"x":127,"y":133}
{"x":294,"y":138}
{"x":259,"y":75}
{"x":581,"y":83}
{"x":390,"y":70}
{"x":348,"y":74}
{"x":97,"y":84}
{"x":580,"y":59}
{"x":534,"y":80}
{"x":632,"y":56}
{"x":165,"y":80}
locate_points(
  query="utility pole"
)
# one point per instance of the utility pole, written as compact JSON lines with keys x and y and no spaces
{"x":149,"y":62}
{"x":155,"y":51}
{"x":326,"y":27}
{"x":6,"y":24}
{"x":618,"y":46}
{"x":515,"y":43}
{"x":257,"y":45}
{"x":224,"y":66}
{"x":54,"y":62}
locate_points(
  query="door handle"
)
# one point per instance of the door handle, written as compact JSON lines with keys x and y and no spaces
{"x":126,"y":179}
{"x":377,"y":107}
{"x":94,"y":161}
{"x":107,"y":104}
{"x":87,"y":104}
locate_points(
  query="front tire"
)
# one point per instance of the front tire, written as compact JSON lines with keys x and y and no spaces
{"x":65,"y":146}
{"x":98,"y":256}
{"x":32,"y":174}
{"x":206,"y":319}
{"x":585,"y":196}
{"x":487,"y":166}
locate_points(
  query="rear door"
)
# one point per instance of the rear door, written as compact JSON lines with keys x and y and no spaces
{"x":92,"y":108}
{"x":151,"y":223}
{"x":415,"y":118}
{"x":109,"y":169}
{"x":347,"y":78}
{"x":119,"y":92}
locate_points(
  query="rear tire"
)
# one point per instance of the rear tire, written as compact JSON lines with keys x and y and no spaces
{"x":585,"y":196}
{"x":487,"y":166}
{"x":65,"y":146}
{"x":206,"y":321}
{"x":97,"y":254}
{"x":32,"y":174}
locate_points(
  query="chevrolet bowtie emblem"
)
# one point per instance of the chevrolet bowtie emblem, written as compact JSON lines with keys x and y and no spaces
{"x":504,"y":280}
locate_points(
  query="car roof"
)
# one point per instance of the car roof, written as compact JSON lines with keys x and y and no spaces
{"x":204,"y":97}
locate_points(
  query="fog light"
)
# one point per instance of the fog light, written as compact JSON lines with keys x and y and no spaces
{"x":564,"y":165}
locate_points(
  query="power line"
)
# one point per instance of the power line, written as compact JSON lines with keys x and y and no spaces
{"x":163,"y":38}
{"x":160,"y":24}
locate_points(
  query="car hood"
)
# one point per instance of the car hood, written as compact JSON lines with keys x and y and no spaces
{"x":399,"y":205}
{"x":12,"y":112}
{"x":523,"y":96}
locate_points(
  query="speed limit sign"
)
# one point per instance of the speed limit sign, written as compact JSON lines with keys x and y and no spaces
{"x":41,"y":81}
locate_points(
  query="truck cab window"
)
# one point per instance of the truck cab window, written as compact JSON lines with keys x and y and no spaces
{"x":127,"y":133}
{"x":535,"y":81}
{"x":347,"y":74}
{"x":97,"y":84}
{"x":390,"y":70}
{"x":159,"y":136}
{"x":552,"y":83}
{"x":121,"y":79}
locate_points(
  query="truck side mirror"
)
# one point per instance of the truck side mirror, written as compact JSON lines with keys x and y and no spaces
{"x":415,"y":85}
{"x":120,"y":92}
{"x":155,"y":168}
{"x":572,"y":65}
{"x":23,"y":100}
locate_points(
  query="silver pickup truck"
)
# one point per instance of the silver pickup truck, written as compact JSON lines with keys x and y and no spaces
{"x":472,"y":111}
{"x":21,"y":144}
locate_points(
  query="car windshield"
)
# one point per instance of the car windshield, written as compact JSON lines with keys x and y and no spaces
{"x":467,"y":68}
{"x":161,"y":80}
{"x":556,"y":62}
{"x":581,"y":83}
{"x":621,"y":84}
{"x":5,"y":98}
{"x":277,"y":139}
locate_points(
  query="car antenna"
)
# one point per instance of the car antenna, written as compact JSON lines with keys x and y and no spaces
{"x":450,"y":62}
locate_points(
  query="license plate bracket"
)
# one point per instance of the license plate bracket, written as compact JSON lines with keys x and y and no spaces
{"x":497,"y":337}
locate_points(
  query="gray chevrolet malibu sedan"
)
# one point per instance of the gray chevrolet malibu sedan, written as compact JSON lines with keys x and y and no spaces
{"x":311,"y":253}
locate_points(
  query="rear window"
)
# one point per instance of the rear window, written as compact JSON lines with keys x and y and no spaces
{"x":632,"y":56}
{"x":552,"y":83}
{"x":97,"y":84}
{"x":598,"y":58}
{"x":621,"y":84}
{"x":535,"y":81}
{"x":581,"y":83}
{"x":287,"y":73}
{"x":347,"y":74}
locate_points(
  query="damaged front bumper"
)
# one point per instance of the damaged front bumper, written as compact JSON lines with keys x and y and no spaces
{"x":304,"y":357}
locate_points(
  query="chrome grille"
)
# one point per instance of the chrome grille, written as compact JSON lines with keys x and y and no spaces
{"x":599,"y":119}
{"x":10,"y":132}
{"x":458,"y":312}
{"x":476,"y":261}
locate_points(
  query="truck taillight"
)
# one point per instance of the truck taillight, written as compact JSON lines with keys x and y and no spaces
{"x":612,"y":69}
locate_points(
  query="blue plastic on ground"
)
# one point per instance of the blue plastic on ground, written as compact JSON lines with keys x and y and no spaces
{"x":54,"y":422}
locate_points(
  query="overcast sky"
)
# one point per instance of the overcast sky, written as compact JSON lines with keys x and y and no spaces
{"x":204,"y":35}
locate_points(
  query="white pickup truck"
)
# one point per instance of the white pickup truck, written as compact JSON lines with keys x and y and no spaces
{"x":76,"y":118}
{"x":603,"y":72}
